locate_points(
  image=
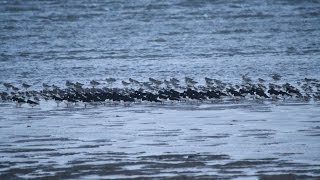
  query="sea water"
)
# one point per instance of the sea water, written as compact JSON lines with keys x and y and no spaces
{"x":54,"y":41}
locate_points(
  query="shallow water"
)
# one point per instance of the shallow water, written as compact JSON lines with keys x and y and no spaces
{"x":52,"y":41}
{"x":225,"y":141}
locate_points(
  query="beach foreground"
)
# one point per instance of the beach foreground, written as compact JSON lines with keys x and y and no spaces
{"x":228,"y":140}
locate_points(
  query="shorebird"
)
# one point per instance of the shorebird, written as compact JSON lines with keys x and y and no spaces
{"x":234,"y":93}
{"x":45,"y":86}
{"x":174,"y":81}
{"x":167,"y":83}
{"x":54,"y":87}
{"x":275,"y":93}
{"x":155,"y":82}
{"x":94,"y":83}
{"x":246,"y":78}
{"x":316,"y":96}
{"x":261,"y":86}
{"x":190,"y":82}
{"x":4,"y":96}
{"x":69,"y":84}
{"x":32,"y":103}
{"x":125,"y":84}
{"x":18,"y":100}
{"x":291,"y":89}
{"x":274,"y":86}
{"x":148,"y":86}
{"x":175,"y":84}
{"x":261,"y":80}
{"x":15,"y":88}
{"x":209,"y":81}
{"x":7,"y":85}
{"x":310,"y":80}
{"x":133,"y":81}
{"x":26,"y":86}
{"x":307,"y":89}
{"x":57,"y":99}
{"x":70,"y":99}
{"x":110,"y":81}
{"x":218,"y":82}
{"x":276,"y":77}
{"x":78,"y":86}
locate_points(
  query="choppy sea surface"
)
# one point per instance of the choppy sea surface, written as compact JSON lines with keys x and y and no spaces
{"x":54,"y":41}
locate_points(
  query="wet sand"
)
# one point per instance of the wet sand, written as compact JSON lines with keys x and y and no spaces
{"x":245,"y":140}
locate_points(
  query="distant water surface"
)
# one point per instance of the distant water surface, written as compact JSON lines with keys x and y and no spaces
{"x":54,"y":40}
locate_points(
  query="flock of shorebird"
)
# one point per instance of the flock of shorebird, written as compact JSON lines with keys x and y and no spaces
{"x":160,"y":91}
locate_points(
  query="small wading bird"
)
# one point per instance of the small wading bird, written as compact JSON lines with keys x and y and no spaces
{"x":57,"y":98}
{"x":125,"y":84}
{"x":32,"y":103}
{"x":148,"y":86}
{"x":209,"y":81}
{"x":174,"y":80}
{"x":110,"y":81}
{"x":275,"y":77}
{"x":167,"y":83}
{"x":18,"y":100}
{"x":134,"y":82}
{"x":7,"y":85}
{"x":261,"y":80}
{"x":246,"y":78}
{"x":190,"y":82}
{"x":45,"y":86}
{"x":175,"y":83}
{"x":94,"y":83}
{"x":26,"y":86}
{"x":155,"y":82}
{"x":15,"y":88}
{"x":69,"y":84}
{"x":78,"y":86}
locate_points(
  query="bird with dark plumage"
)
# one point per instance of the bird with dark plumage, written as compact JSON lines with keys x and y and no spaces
{"x":45,"y":86}
{"x":155,"y":82}
{"x":125,"y":84}
{"x":133,"y":81}
{"x":246,"y":78}
{"x":150,"y":91}
{"x":209,"y":82}
{"x":32,"y":103}
{"x":190,"y":82}
{"x":110,"y":81}
{"x":26,"y":86}
{"x":234,"y":93}
{"x":7,"y":85}
{"x":276,"y":77}
{"x":18,"y":100}
{"x":94,"y":83}
{"x":15,"y":88}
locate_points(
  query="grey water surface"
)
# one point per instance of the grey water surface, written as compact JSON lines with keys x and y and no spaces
{"x":54,"y":41}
